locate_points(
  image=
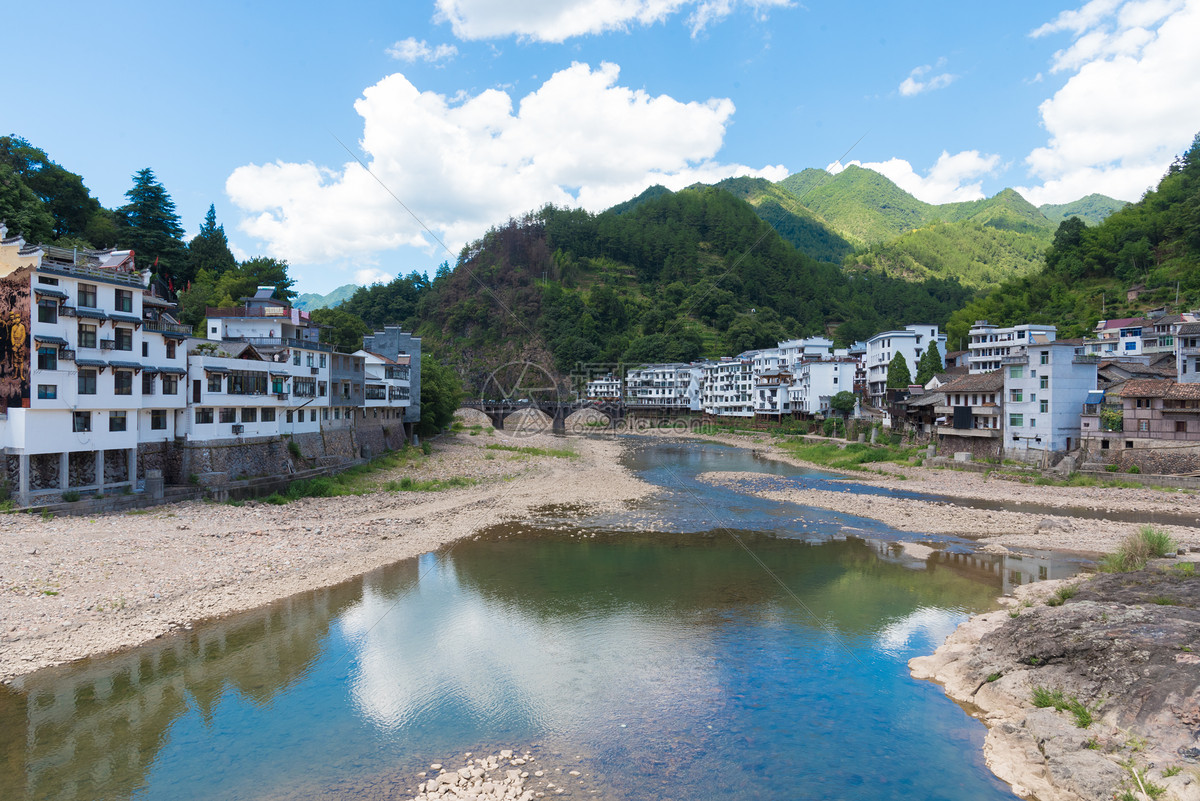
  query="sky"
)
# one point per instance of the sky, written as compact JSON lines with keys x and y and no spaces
{"x":365,"y":139}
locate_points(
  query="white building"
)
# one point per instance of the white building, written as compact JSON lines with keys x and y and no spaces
{"x":1187,"y":353}
{"x":816,"y":382}
{"x":388,"y":393}
{"x":673,"y":385}
{"x":772,"y":392}
{"x":989,"y":344}
{"x":729,"y":386}
{"x":794,"y":351}
{"x":912,"y":341}
{"x":605,"y":388}
{"x":1045,"y":389}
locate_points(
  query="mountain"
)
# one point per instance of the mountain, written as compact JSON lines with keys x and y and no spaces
{"x":1091,"y":209}
{"x":310,"y":300}
{"x":679,"y":276}
{"x":1154,"y":242}
{"x":797,"y":224}
{"x":861,"y":204}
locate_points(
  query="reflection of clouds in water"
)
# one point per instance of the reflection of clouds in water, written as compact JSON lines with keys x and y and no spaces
{"x":445,"y":650}
{"x":929,"y":623}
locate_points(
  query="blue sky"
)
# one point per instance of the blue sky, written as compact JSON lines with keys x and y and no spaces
{"x":472,"y":111}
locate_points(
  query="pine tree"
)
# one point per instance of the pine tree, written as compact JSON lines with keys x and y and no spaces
{"x":898,"y":376}
{"x":209,"y":249}
{"x":929,"y":365}
{"x":152,"y":229}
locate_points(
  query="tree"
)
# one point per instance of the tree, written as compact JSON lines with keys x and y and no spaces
{"x":929,"y":365}
{"x":441,"y":393}
{"x":152,"y":229}
{"x":898,"y":375}
{"x":341,"y":328}
{"x":843,"y":403}
{"x":209,"y":249}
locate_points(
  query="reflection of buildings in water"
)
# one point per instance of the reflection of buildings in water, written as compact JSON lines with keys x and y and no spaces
{"x":1012,"y":569}
{"x":94,"y":730}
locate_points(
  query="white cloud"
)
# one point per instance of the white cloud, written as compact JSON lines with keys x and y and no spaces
{"x":412,"y":50}
{"x":1129,"y":106}
{"x":559,"y":20}
{"x":916,"y":82}
{"x":579,"y":139}
{"x":371,"y":275}
{"x":948,"y":180}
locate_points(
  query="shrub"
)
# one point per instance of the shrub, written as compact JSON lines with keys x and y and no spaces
{"x":1158,"y":542}
{"x":426,"y":448}
{"x":70,"y":496}
{"x":1062,"y":594}
{"x":294,"y":449}
{"x":1133,"y":468}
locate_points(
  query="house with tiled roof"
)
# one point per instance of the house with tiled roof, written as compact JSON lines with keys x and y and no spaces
{"x":970,"y":415}
{"x":1160,"y":410}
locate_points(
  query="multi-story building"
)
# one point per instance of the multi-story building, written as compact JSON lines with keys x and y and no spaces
{"x":972,"y":414}
{"x":989,"y":344}
{"x":771,"y":392}
{"x":794,"y":351}
{"x":912,"y":341}
{"x":1187,"y":352}
{"x":729,"y":386}
{"x":1045,"y":388}
{"x":673,"y":385}
{"x":1160,"y":410}
{"x":816,"y":382}
{"x":605,"y":388}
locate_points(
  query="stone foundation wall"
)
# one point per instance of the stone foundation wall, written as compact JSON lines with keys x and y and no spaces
{"x":978,"y":447}
{"x":164,"y":456}
{"x":1157,"y":458}
{"x":376,"y":436}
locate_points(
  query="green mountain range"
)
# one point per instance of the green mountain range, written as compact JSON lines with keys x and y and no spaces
{"x":312,"y":300}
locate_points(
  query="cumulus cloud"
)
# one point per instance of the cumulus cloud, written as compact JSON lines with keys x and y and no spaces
{"x":1129,"y":106}
{"x":916,"y":82}
{"x":579,"y":139}
{"x":372,"y":275}
{"x":559,"y":20}
{"x":949,"y":180}
{"x":412,"y":50}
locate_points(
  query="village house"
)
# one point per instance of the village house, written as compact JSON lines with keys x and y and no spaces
{"x":989,"y":344}
{"x":972,"y":415}
{"x":911,"y":342}
{"x":1045,"y":388}
{"x":1160,"y":411}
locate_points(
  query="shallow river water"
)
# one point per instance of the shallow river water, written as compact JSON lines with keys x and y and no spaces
{"x":705,"y":645}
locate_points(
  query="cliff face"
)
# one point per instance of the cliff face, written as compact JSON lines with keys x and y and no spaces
{"x":1121,"y":656}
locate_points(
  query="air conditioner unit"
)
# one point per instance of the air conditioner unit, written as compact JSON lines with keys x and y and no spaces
{"x":107,"y":344}
{"x":238,"y":428}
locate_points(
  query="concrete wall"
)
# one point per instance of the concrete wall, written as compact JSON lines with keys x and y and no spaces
{"x":978,"y":447}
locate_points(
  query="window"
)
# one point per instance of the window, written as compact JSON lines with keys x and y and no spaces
{"x":322,"y":359}
{"x":1180,"y":425}
{"x":1016,"y":371}
{"x":322,"y":389}
{"x":337,"y":414}
{"x":268,"y":415}
{"x":47,"y":281}
{"x":87,"y":335}
{"x":1015,"y":395}
{"x":123,"y":301}
{"x":147,"y":383}
{"x":47,"y":311}
{"x":124,"y":339}
{"x":204,"y":416}
{"x":214,"y":382}
{"x":247,"y":383}
{"x":1045,"y":357}
{"x":47,"y":391}
{"x":170,"y":349}
{"x":145,"y":350}
{"x":87,"y":297}
{"x":1143,"y":425}
{"x":249,"y":415}
{"x":116,"y":421}
{"x":308,"y":359}
{"x":1016,"y":420}
{"x":1033,"y":422}
{"x":170,"y":384}
{"x":47,"y":358}
{"x":312,"y":415}
{"x":277,"y":384}
{"x":158,"y":419}
{"x":290,"y":415}
{"x":1045,"y":383}
{"x":87,"y":382}
{"x":296,"y":358}
{"x":1045,"y":407}
{"x":81,"y":421}
{"x":122,"y":382}
{"x":228,"y":415}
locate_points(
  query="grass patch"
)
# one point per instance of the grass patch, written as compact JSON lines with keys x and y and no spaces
{"x":1137,"y":549}
{"x":1061,"y":595}
{"x":1174,"y":770}
{"x":993,"y":677}
{"x":1080,"y":480}
{"x":1186,"y":569}
{"x":1165,"y":600}
{"x":1045,"y":698}
{"x":850,"y":457}
{"x":558,"y":453}
{"x":408,"y":484}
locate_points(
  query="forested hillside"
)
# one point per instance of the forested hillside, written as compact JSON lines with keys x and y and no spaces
{"x":1154,"y":242}
{"x":797,"y":224}
{"x":679,"y":276}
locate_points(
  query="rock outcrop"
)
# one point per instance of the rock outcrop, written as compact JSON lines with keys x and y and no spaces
{"x":1117,"y":666}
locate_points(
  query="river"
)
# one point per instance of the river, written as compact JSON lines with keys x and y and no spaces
{"x":704,"y":645}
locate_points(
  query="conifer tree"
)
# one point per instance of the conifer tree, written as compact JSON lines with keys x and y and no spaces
{"x":898,"y":375}
{"x":929,"y":365}
{"x":152,"y":229}
{"x":209,"y":249}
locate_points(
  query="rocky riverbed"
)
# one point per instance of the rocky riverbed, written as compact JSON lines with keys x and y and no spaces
{"x":72,"y":587}
{"x":1115,"y":668}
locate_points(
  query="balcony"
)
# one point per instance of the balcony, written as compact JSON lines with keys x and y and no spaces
{"x":1086,"y":358}
{"x":172,"y":329}
{"x":1022,"y":358}
{"x":976,"y":433}
{"x":285,"y":342}
{"x":1192,"y":350}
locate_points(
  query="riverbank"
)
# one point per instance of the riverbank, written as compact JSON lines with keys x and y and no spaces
{"x":1061,"y":528}
{"x":1090,"y":687}
{"x":72,"y":587}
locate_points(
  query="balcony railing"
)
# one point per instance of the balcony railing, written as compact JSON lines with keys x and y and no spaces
{"x":1016,"y":359}
{"x":286,"y":342}
{"x":1086,"y":358}
{"x":159,"y":327}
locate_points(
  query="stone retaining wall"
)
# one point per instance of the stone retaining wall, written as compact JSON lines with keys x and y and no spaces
{"x":980,"y":448}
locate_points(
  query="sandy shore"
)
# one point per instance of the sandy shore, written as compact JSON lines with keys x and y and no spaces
{"x":1061,"y":529}
{"x":78,"y":586}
